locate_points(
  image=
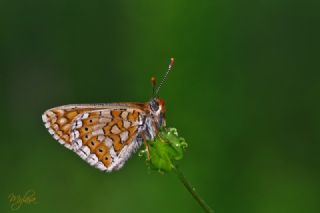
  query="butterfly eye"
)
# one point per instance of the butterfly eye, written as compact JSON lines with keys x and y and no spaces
{"x":154,"y":105}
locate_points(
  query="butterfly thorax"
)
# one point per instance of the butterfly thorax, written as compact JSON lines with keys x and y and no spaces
{"x":155,"y":119}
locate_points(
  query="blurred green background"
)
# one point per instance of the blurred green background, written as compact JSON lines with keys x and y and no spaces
{"x":244,"y":93}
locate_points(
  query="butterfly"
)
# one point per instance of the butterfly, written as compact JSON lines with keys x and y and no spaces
{"x":106,"y":135}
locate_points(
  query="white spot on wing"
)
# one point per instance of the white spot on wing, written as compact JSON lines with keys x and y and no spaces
{"x":97,"y":132}
{"x":44,"y":118}
{"x":78,"y":123}
{"x":76,"y":144}
{"x":126,"y":124}
{"x":92,"y":159}
{"x":124,"y":114}
{"x":74,"y":134}
{"x":85,"y":115}
{"x":101,"y":137}
{"x":56,"y":137}
{"x":108,"y":141}
{"x":98,"y":126}
{"x":83,"y":152}
{"x":100,"y":165}
{"x":106,"y":113}
{"x":124,"y":136}
{"x":51,"y":131}
{"x":115,"y":129}
{"x":104,"y":120}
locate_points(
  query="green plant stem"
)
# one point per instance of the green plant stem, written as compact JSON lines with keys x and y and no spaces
{"x":193,"y":192}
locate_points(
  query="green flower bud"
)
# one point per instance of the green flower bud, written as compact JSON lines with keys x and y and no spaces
{"x":165,"y":149}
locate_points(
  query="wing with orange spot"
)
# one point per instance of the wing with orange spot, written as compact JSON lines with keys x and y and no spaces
{"x":59,"y":121}
{"x":104,"y":135}
{"x":107,"y":138}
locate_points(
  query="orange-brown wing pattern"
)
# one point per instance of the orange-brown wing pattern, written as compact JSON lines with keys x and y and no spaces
{"x":59,"y":120}
{"x":106,"y":138}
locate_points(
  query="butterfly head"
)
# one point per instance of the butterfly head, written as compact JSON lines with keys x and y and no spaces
{"x":157,"y":110}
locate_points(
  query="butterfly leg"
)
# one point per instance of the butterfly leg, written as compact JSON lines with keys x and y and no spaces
{"x":146,"y":145}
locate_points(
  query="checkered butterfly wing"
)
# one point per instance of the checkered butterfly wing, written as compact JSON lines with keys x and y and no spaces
{"x":104,"y":136}
{"x":59,"y":120}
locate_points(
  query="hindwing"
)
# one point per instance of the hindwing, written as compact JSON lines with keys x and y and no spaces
{"x":103,"y":135}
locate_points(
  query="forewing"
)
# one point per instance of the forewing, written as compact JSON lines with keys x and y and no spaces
{"x":106,"y":138}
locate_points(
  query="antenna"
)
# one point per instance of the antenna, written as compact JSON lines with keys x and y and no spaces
{"x":154,"y":83}
{"x":164,"y":77}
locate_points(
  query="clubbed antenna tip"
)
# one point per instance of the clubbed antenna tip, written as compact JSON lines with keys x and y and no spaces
{"x":153,"y":83}
{"x":171,"y":62}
